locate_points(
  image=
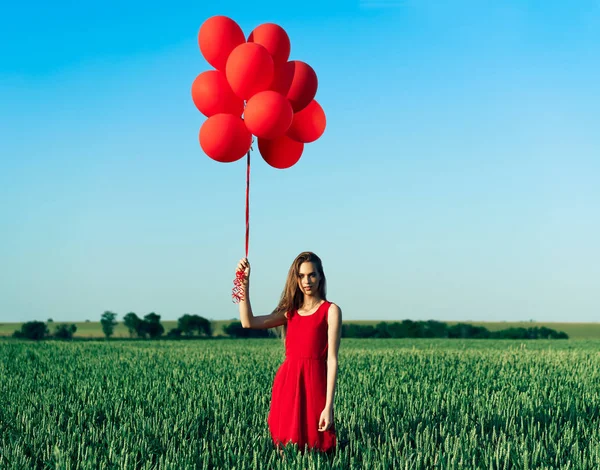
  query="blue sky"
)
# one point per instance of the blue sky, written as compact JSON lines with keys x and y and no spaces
{"x":457,"y":179}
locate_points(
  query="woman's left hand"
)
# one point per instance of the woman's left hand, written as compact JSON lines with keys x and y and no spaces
{"x":326,"y":419}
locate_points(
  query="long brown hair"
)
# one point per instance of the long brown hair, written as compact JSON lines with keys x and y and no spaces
{"x":292,"y":297}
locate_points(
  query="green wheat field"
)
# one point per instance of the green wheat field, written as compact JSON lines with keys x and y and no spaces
{"x":400,"y":403}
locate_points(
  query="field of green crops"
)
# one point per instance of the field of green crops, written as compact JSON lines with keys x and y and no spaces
{"x":414,"y":404}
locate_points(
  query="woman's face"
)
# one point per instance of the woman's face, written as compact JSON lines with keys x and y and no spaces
{"x":308,"y":278}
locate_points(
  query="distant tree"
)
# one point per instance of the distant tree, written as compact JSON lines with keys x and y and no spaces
{"x":435,"y":329}
{"x":466,"y":330}
{"x":49,"y":320}
{"x":511,"y":333}
{"x":188,"y":324}
{"x":35,"y":330}
{"x":397,"y":330}
{"x":545,"y":332}
{"x":108,"y":323}
{"x":414,"y":329}
{"x":236,"y":330}
{"x":352,"y":330}
{"x":133,"y":324}
{"x":174,"y":333}
{"x":382,"y":330}
{"x":65,"y":331}
{"x":204,"y":326}
{"x":152,"y":326}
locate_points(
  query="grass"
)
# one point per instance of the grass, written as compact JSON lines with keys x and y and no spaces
{"x":400,"y":403}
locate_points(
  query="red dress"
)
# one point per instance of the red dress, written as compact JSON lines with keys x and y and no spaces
{"x":300,"y":385}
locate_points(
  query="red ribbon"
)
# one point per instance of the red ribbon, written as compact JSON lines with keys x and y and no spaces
{"x":237,"y":293}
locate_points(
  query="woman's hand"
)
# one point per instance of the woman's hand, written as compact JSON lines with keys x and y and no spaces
{"x":326,"y":419}
{"x":244,"y":265}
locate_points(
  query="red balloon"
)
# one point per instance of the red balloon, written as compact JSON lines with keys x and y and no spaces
{"x":274,"y":38}
{"x":218,"y":36}
{"x":212,"y":94}
{"x":224,"y":138}
{"x":297,"y":81}
{"x":268,"y":114}
{"x":282,"y":152}
{"x":249,"y":69}
{"x":309,"y":124}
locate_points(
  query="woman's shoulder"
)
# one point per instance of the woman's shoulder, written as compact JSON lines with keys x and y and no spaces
{"x":333,"y":307}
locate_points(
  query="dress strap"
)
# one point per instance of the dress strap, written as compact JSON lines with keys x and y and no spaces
{"x":325,"y":307}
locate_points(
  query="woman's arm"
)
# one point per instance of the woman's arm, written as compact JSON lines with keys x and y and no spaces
{"x":246,"y":317}
{"x":334,"y":333}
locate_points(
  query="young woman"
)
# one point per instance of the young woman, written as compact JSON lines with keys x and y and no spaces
{"x":303,"y":391}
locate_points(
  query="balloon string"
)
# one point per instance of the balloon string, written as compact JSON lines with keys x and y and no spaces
{"x":237,"y":293}
{"x":247,"y":203}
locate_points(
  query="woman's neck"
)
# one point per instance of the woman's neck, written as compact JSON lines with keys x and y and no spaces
{"x":311,"y":303}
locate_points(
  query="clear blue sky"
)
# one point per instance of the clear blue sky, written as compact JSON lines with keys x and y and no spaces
{"x":458,"y":178}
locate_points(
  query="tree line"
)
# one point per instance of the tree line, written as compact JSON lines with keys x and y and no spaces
{"x":148,"y":327}
{"x":437,"y":329}
{"x":188,"y":326}
{"x":39,"y":330}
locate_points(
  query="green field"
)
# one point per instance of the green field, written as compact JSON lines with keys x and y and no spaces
{"x":94,"y":329}
{"x":400,"y":403}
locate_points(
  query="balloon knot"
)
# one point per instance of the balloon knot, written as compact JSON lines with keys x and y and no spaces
{"x":237,"y":293}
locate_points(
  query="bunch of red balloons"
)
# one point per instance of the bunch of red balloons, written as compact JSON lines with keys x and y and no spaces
{"x":253,"y":78}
